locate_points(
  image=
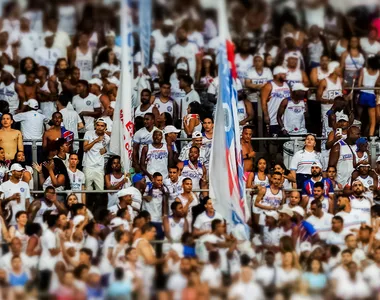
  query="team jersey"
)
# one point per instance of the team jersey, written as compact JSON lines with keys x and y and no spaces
{"x":294,"y":118}
{"x":157,"y":160}
{"x":277,"y":94}
{"x":308,"y":186}
{"x":345,"y":165}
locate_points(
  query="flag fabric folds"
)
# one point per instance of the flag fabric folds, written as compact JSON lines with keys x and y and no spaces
{"x":145,"y":24}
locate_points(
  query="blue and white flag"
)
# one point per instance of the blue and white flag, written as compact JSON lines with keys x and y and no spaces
{"x":226,"y":166}
{"x":145,"y":24}
{"x":122,"y":129}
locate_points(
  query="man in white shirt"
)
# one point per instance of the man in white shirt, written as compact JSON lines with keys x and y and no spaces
{"x":47,"y":55}
{"x":352,"y":219}
{"x":164,"y":38}
{"x":178,"y":281}
{"x":369,"y":44}
{"x":77,"y":178}
{"x":32,"y":128}
{"x":110,"y":43}
{"x":185,"y":83}
{"x":202,"y":224}
{"x":246,"y":286}
{"x":173,"y":184}
{"x":338,"y":233}
{"x":186,"y":49}
{"x":50,"y":246}
{"x":372,"y":272}
{"x":61,"y":39}
{"x":86,"y":104}
{"x":319,"y":219}
{"x":358,"y":255}
{"x":26,"y":39}
{"x":15,"y":247}
{"x":71,"y":119}
{"x":95,"y":147}
{"x":16,"y":192}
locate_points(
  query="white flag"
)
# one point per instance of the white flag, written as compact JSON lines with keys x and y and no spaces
{"x":122,"y":129}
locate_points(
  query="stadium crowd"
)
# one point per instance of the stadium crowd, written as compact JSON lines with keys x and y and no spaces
{"x":314,"y":225}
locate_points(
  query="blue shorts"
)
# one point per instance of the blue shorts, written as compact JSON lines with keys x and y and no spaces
{"x":367,"y":99}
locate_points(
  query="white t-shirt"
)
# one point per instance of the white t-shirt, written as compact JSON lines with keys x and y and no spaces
{"x":62,"y":41}
{"x":48,"y":242}
{"x":29,"y":42}
{"x":162,"y":43}
{"x":321,"y":225}
{"x":47,"y":57}
{"x":212,"y":276}
{"x":285,"y":277}
{"x":350,"y":290}
{"x":86,"y":104}
{"x":184,"y":102}
{"x":176,"y":283}
{"x":337,"y":239}
{"x":32,"y":125}
{"x":302,"y":161}
{"x":157,"y":58}
{"x":372,"y":275}
{"x":77,"y":180}
{"x":143,"y":137}
{"x":189,"y":51}
{"x":369,"y":49}
{"x":245,"y":291}
{"x":71,"y":119}
{"x":9,"y":188}
{"x":203,"y":221}
{"x":265,"y":275}
{"x":92,"y":158}
{"x":243,"y":65}
{"x":197,"y":38}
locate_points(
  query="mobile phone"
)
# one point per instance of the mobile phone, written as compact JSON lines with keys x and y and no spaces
{"x":338,"y":131}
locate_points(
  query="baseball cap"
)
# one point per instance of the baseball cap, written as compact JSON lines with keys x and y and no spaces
{"x":316,"y":164}
{"x":298,"y":86}
{"x":332,"y":66}
{"x":16,"y":167}
{"x":96,"y":81}
{"x":171,"y":129}
{"x":137,"y":177}
{"x":343,"y":117}
{"x":115,"y":222}
{"x":32,"y":103}
{"x":293,"y":55}
{"x":110,"y":33}
{"x":9,"y":69}
{"x":279,"y":70}
{"x":378,"y":159}
{"x":168,"y":22}
{"x":125,"y":192}
{"x":207,"y":57}
{"x":299,"y":210}
{"x":182,"y":66}
{"x":48,"y":34}
{"x":258,"y":55}
{"x":286,"y":210}
{"x":361,"y":141}
{"x":289,"y":35}
{"x":272,"y":213}
{"x":114,"y":81}
{"x":196,"y":134}
{"x":101,"y":120}
{"x":94,"y":270}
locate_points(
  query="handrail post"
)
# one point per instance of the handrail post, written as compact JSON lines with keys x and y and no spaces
{"x":373,"y":148}
{"x":260,"y":130}
{"x":34,"y":159}
{"x":295,"y":144}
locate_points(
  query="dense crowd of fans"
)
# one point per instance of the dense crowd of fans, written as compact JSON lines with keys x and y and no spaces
{"x":313,"y":231}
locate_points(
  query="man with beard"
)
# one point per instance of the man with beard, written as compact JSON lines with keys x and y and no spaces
{"x":318,"y":194}
{"x":360,"y":203}
{"x":366,"y":176}
{"x":320,"y":219}
{"x":351,"y":218}
{"x":146,"y":106}
{"x":316,"y":176}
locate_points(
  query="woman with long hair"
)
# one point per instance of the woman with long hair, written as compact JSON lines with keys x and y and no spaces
{"x":288,"y":182}
{"x":27,"y":65}
{"x":18,"y":230}
{"x":33,"y":247}
{"x":27,"y":175}
{"x":70,"y":202}
{"x":315,"y":278}
{"x":192,"y":121}
{"x":300,"y":166}
{"x":164,"y":120}
{"x":208,"y":72}
{"x":114,"y":179}
{"x":106,"y":56}
{"x":352,"y":61}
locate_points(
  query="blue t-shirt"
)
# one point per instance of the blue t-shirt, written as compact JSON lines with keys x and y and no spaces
{"x":120,"y":288}
{"x":315,"y":281}
{"x":18,"y":280}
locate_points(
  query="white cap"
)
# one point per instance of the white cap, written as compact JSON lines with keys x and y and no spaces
{"x":96,"y":81}
{"x":316,"y":164}
{"x":207,"y":57}
{"x":27,"y":16}
{"x":110,"y":33}
{"x":293,"y":55}
{"x":9,"y":69}
{"x":48,"y":34}
{"x":171,"y":129}
{"x":272,"y":213}
{"x":305,"y":246}
{"x":258,"y":55}
{"x":125,"y":192}
{"x":332,"y":66}
{"x":77,"y":220}
{"x":182,"y":66}
{"x":116,"y":222}
{"x":341,"y":116}
{"x":196,"y":134}
{"x":299,"y":210}
{"x":104,"y":66}
{"x":363,"y":164}
{"x":16,"y":167}
{"x":114,"y":81}
{"x":289,"y":35}
{"x":298,"y":86}
{"x":168,"y":22}
{"x":279,"y":70}
{"x":286,"y":210}
{"x":101,"y":120}
{"x":316,"y":246}
{"x":32,"y":103}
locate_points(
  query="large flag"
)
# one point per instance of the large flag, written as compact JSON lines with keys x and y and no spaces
{"x":226,"y":165}
{"x":145,"y":24}
{"x":122,"y":129}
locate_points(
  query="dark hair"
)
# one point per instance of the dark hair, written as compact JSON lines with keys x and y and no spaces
{"x":76,"y":154}
{"x":169,"y":119}
{"x":150,"y":115}
{"x":83,"y":82}
{"x":56,"y":66}
{"x":346,"y":251}
{"x":277,"y":173}
{"x":79,"y":269}
{"x":103,"y":57}
{"x":212,"y":69}
{"x":9,"y":114}
{"x":32,"y":228}
{"x":247,"y":127}
{"x":90,"y":227}
{"x":331,"y":167}
{"x":119,"y":274}
{"x":195,"y":148}
{"x":87,"y":251}
{"x":187,"y":79}
{"x":56,"y":113}
{"x":144,"y":214}
{"x":196,"y":108}
{"x":213,"y":256}
{"x":174,"y":205}
{"x":215,"y":223}
{"x":156,"y":174}
{"x":146,"y":91}
{"x":52,"y":220}
{"x":119,"y":234}
{"x":59,"y":143}
{"x":316,"y":202}
{"x":64,"y":99}
{"x":373,"y":62}
{"x":75,"y":207}
{"x":23,"y":63}
{"x":308,"y":268}
{"x":129,"y":250}
{"x":173,"y":167}
{"x":256,"y":168}
{"x":110,"y":162}
{"x":15,"y":257}
{"x":121,"y":212}
{"x":165,"y":83}
{"x":338,"y":218}
{"x":318,"y":185}
{"x":186,"y":179}
{"x":147,"y":227}
{"x":21,"y":212}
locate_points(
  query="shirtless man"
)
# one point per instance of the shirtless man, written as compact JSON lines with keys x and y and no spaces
{"x":53,"y":133}
{"x":247,"y":149}
{"x":10,"y":139}
{"x":29,"y":87}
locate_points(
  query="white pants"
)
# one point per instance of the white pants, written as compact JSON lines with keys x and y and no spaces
{"x":94,"y":177}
